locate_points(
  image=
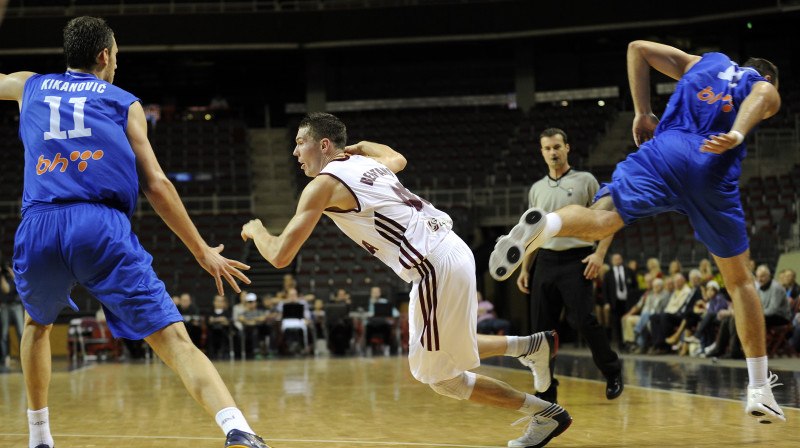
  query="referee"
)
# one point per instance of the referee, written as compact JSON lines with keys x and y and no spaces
{"x":560,"y":279}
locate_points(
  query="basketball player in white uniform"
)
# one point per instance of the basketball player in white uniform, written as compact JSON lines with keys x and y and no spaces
{"x":357,"y":187}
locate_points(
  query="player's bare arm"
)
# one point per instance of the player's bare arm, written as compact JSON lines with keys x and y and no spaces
{"x":13,"y":85}
{"x":382,"y":153}
{"x":668,"y":60}
{"x":762,"y":103}
{"x":166,"y":202}
{"x":324,"y":192}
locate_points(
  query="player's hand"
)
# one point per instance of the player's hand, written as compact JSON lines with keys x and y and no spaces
{"x":593,"y":263}
{"x":644,"y":126}
{"x":522,"y":281}
{"x":720,"y":143}
{"x":354,"y":150}
{"x":253,"y":228}
{"x":220,"y":267}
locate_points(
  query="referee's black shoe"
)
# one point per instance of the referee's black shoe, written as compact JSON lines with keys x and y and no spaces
{"x":524,"y":238}
{"x":614,"y":386}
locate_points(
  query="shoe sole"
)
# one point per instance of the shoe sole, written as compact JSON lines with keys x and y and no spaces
{"x":766,"y":418}
{"x":510,"y":250}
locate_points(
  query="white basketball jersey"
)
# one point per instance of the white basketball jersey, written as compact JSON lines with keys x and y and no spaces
{"x":390,"y":222}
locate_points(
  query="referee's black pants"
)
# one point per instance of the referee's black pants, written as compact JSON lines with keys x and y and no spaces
{"x":558,"y":283}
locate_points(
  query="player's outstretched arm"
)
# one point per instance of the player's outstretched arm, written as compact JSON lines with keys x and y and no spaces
{"x":762,"y":103}
{"x":13,"y":85}
{"x":166,"y":202}
{"x":382,"y":153}
{"x":280,"y":250}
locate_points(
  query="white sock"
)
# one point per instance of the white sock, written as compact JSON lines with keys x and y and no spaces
{"x":512,"y":344}
{"x":552,"y":225}
{"x":39,"y":428}
{"x":232,"y":418}
{"x":757,"y":371}
{"x":532,"y":405}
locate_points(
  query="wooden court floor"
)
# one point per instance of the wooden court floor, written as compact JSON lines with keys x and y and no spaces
{"x":363,"y":403}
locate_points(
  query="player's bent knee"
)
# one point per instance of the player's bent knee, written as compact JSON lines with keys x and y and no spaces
{"x":459,"y":387}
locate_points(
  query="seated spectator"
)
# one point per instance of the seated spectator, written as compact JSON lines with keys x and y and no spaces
{"x":714,"y":302}
{"x":789,"y":283}
{"x":632,"y":317}
{"x":707,"y":273}
{"x":192,"y":319}
{"x":253,"y":330}
{"x":776,"y":312}
{"x":655,"y":304}
{"x":219,"y":329}
{"x":294,"y":344}
{"x":675,"y":267}
{"x":488,"y":322}
{"x":654,"y":268}
{"x":692,"y":313}
{"x":381,"y":326}
{"x":661,"y":324}
{"x":342,"y":296}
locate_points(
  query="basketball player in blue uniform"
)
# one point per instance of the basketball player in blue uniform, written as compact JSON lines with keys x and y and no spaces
{"x":85,"y":142}
{"x":689,"y":162}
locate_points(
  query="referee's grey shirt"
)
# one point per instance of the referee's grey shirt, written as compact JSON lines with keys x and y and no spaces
{"x":574,"y":187}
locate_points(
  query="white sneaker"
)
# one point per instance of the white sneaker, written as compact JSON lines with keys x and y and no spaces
{"x":761,"y":404}
{"x":542,"y":426}
{"x":710,"y":348}
{"x":543,"y":347}
{"x":523,"y":239}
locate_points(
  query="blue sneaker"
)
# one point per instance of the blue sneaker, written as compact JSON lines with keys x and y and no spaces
{"x":241,"y":439}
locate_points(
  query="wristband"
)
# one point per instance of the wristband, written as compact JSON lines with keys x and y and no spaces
{"x":739,"y":138}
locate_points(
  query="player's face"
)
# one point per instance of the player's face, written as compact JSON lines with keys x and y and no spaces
{"x":308,"y":152}
{"x":554,"y":151}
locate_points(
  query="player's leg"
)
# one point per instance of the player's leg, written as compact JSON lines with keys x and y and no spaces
{"x":592,"y":224}
{"x":36,"y":361}
{"x":749,"y":317}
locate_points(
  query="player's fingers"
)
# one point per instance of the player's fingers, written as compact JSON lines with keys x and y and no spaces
{"x":244,"y":236}
{"x":220,"y":289}
{"x":231,"y":281}
{"x":240,"y":275}
{"x":237,"y":264}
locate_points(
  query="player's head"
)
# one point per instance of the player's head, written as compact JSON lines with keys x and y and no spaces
{"x":764,"y":68}
{"x":89,"y":45}
{"x":320,"y":136}
{"x":554,"y":147}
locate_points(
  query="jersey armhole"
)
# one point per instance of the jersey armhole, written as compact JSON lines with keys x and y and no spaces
{"x":357,"y":209}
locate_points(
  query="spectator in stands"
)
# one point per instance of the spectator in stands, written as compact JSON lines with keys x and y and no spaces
{"x":692,"y":313}
{"x":357,"y":187}
{"x":219,"y":329}
{"x":254,"y":331}
{"x":675,"y":267}
{"x":288,"y":283}
{"x":715,"y":302}
{"x":776,"y":313}
{"x":488,"y":322}
{"x":291,"y":339}
{"x":622,"y":289}
{"x":654,"y":268}
{"x":631,"y":318}
{"x":558,"y":277}
{"x":655,"y":304}
{"x":633,"y":265}
{"x":86,"y":213}
{"x":379,"y":325}
{"x":661,"y":324}
{"x":176,"y":299}
{"x":192,"y":319}
{"x":10,"y":311}
{"x":789,"y":283}
{"x":342,"y":296}
{"x":707,"y":273}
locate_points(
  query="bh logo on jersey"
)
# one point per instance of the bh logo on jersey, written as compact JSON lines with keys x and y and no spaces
{"x":707,"y":95}
{"x":46,"y":165}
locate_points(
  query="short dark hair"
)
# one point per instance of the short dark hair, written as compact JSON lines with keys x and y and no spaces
{"x":764,"y":68}
{"x":84,"y":38}
{"x":323,"y":125}
{"x":549,"y":132}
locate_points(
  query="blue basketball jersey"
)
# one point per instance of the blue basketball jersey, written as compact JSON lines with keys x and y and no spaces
{"x":707,"y":98}
{"x":73,"y":127}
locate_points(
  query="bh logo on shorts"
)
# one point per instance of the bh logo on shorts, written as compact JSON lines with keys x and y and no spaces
{"x":46,"y":165}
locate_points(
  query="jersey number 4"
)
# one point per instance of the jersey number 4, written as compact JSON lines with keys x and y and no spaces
{"x":408,"y":198}
{"x":55,"y":131}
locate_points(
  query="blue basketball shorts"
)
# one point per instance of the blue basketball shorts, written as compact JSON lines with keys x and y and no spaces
{"x":669,"y":173}
{"x":60,"y":245}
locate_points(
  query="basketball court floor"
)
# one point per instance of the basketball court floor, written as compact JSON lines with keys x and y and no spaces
{"x":373,"y":402}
